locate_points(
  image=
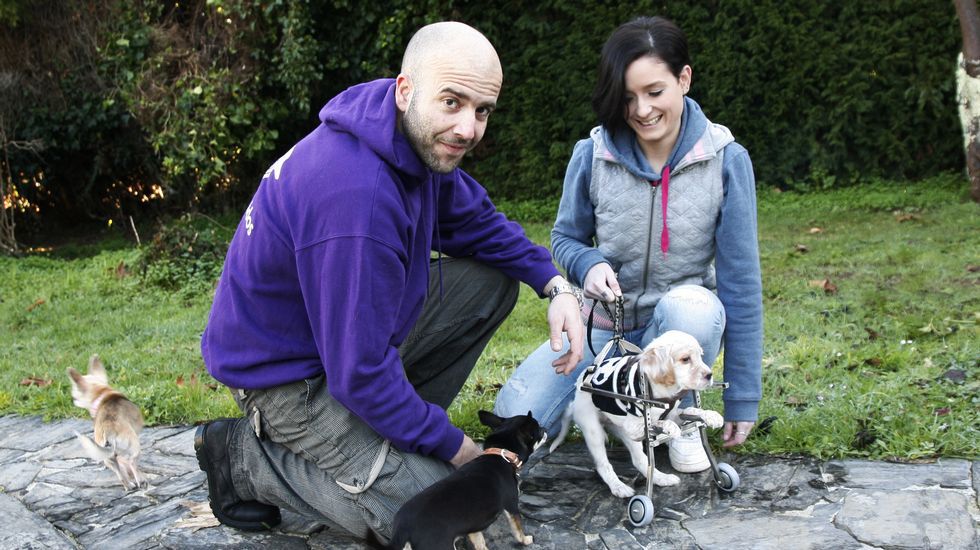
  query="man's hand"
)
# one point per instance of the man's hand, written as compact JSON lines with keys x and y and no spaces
{"x":467,"y":452}
{"x":601,"y":284}
{"x":565,"y":316}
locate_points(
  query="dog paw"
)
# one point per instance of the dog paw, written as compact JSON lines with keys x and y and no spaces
{"x":713,"y":419}
{"x":661,"y":479}
{"x":669,"y":428}
{"x":624,"y":491}
{"x":528,"y":540}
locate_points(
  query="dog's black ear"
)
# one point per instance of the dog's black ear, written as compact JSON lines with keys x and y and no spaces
{"x":489,"y":419}
{"x":529,"y":415}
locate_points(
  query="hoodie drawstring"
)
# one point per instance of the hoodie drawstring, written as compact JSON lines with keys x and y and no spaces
{"x":664,"y":189}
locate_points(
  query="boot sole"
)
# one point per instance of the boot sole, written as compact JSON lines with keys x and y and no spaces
{"x":203,"y":461}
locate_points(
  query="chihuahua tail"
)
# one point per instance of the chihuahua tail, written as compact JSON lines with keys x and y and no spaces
{"x":93,"y":449}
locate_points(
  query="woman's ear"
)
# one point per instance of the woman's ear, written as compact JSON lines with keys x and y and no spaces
{"x":686,"y":78}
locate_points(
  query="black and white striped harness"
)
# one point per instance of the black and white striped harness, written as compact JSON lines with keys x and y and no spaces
{"x":616,"y":384}
{"x":620,"y":376}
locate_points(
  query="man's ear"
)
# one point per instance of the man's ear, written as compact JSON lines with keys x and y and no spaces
{"x":403,"y":92}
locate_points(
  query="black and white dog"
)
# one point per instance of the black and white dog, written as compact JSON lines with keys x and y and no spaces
{"x":672,"y":364}
{"x":468,"y":500}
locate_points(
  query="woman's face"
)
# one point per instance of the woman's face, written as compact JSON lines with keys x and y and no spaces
{"x":655,"y":101}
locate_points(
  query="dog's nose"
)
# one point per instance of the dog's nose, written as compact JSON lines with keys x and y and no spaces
{"x":708,"y":376}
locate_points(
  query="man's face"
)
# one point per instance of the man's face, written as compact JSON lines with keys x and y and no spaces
{"x":446,"y":113}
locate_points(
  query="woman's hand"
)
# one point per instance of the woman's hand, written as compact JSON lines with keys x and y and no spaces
{"x":736,"y":432}
{"x":601,"y":284}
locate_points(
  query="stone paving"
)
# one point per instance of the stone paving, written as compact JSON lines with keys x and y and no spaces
{"x":52,"y":497}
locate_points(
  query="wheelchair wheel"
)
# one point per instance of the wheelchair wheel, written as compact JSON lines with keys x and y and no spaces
{"x":728,"y":478}
{"x":640,"y":510}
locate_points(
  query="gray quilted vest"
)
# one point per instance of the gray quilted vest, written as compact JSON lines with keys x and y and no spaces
{"x":629,"y":223}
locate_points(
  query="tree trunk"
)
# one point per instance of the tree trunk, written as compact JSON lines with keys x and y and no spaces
{"x":968,"y":90}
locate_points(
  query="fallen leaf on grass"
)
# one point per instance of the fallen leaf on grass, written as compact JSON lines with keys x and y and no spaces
{"x":906,"y":217}
{"x":941,"y":411}
{"x":35,"y":381}
{"x":121,"y":271}
{"x":802,"y":248}
{"x":193,"y":381}
{"x":794,"y":401}
{"x":872,"y":334}
{"x":180,"y":380}
{"x":972,"y":268}
{"x":201,"y":516}
{"x":825,"y":284}
{"x":815,"y":230}
{"x":38,"y":302}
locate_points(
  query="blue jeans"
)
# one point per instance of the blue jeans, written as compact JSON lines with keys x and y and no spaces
{"x":535,"y":387}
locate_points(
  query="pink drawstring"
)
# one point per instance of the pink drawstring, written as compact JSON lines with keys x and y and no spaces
{"x":664,"y":189}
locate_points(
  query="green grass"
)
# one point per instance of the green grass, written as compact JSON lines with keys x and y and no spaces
{"x":872,"y":300}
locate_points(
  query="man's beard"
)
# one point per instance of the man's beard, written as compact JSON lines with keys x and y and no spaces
{"x":423,"y":141}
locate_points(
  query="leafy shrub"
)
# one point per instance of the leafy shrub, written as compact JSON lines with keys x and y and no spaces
{"x":186,"y":254}
{"x":185,"y":104}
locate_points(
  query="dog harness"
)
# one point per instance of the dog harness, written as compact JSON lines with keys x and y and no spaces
{"x":618,"y":383}
{"x":619,"y":375}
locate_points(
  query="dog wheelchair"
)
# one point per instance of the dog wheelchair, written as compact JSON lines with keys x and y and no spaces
{"x":639,"y":509}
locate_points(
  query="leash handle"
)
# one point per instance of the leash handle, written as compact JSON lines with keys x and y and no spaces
{"x":625,"y":347}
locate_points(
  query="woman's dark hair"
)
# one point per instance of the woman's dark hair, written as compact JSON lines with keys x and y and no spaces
{"x":643,"y":36}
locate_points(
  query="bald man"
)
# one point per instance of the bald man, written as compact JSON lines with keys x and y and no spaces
{"x":341,"y":339}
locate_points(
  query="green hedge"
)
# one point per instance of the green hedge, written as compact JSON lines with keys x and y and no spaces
{"x":194,"y":99}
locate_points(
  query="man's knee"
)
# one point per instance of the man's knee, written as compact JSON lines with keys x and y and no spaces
{"x":492,"y":284}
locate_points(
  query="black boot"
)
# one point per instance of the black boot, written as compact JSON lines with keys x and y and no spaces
{"x":211,"y":447}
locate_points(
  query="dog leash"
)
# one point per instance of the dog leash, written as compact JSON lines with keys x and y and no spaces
{"x":625,"y":347}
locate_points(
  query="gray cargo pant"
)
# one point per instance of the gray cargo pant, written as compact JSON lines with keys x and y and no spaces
{"x":303,"y":451}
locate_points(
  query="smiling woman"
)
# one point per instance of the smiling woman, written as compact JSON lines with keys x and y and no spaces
{"x":655,"y":105}
{"x":658,"y":208}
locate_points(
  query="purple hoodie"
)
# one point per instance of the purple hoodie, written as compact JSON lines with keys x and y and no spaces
{"x":328,"y":269}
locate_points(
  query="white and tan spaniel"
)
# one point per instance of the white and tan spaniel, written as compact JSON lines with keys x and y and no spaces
{"x":672,"y":363}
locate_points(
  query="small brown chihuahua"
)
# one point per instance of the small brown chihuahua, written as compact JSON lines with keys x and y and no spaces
{"x":117,"y":421}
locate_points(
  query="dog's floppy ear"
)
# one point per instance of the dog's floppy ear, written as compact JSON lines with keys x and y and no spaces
{"x":77,"y":380}
{"x":96,"y":369}
{"x":657,"y":361}
{"x":489,"y":419}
